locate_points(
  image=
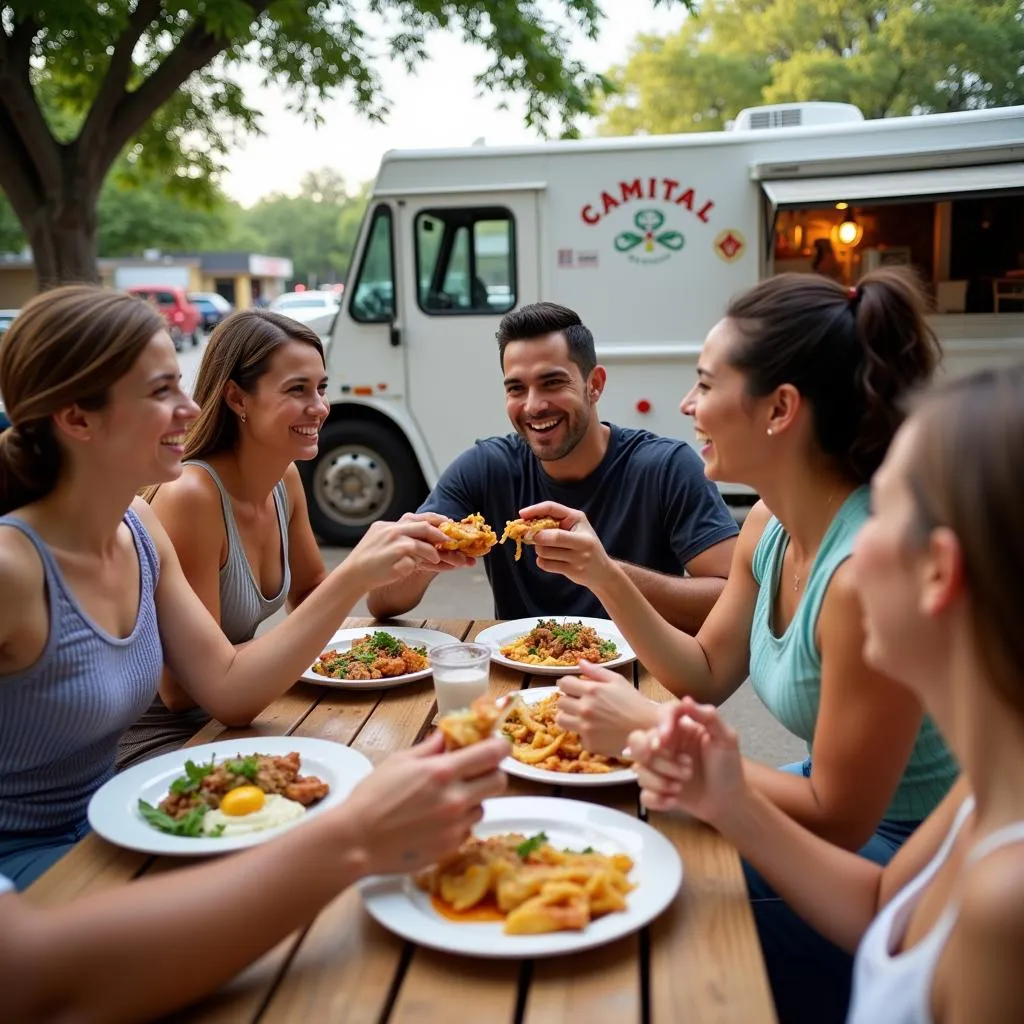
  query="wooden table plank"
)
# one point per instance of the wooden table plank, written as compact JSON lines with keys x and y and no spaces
{"x":344,"y":970}
{"x":706,"y":960}
{"x":602,"y":984}
{"x":440,"y":988}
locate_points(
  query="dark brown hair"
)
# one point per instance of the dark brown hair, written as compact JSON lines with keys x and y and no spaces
{"x":967,"y":473}
{"x":852,"y":353}
{"x":67,"y":347}
{"x":542,"y":318}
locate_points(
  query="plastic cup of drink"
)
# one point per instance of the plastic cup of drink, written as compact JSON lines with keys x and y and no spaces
{"x":461,"y":673}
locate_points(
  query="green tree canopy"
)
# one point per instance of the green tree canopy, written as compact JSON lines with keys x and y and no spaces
{"x":82,"y":84}
{"x":905,"y":57}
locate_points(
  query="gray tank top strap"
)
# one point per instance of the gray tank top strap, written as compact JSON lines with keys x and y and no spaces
{"x":242,"y":604}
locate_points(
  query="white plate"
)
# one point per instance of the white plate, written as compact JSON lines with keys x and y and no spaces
{"x":342,"y":640}
{"x":503,"y":633}
{"x":402,"y":907}
{"x":527,"y":771}
{"x":114,"y":808}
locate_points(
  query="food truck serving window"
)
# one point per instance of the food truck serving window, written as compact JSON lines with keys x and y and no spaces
{"x":465,"y":261}
{"x":961,"y":228}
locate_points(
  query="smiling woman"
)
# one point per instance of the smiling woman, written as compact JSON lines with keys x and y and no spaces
{"x":237,"y":515}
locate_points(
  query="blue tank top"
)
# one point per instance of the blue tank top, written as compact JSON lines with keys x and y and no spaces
{"x":60,"y":718}
{"x":785,"y":669}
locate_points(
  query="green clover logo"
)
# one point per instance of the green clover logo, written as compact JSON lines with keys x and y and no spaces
{"x":649,"y":221}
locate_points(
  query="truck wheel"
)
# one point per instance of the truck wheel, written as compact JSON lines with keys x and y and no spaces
{"x":197,"y":337}
{"x":176,"y":337}
{"x":363,"y":472}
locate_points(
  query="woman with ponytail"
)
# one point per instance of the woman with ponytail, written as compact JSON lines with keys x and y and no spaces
{"x":798,"y":396}
{"x":93,"y":600}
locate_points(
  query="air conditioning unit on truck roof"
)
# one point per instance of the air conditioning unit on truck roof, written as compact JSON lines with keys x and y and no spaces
{"x":794,"y":115}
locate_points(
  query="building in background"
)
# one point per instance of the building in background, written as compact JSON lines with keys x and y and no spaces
{"x":243,"y":278}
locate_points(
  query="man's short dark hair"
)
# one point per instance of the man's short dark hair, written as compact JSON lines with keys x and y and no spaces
{"x":542,"y":318}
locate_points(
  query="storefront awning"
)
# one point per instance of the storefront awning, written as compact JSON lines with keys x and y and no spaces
{"x":936,"y":183}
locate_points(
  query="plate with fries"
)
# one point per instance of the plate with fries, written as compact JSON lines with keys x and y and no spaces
{"x":583,"y":839}
{"x":543,"y":752}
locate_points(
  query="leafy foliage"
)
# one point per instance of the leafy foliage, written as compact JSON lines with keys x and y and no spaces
{"x":904,"y":57}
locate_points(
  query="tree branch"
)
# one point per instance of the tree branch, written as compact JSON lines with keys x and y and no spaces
{"x":113,"y":87}
{"x":23,"y":119}
{"x":17,"y":172}
{"x":197,"y":48}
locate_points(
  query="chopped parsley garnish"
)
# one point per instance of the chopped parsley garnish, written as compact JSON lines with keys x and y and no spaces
{"x":194,"y":775}
{"x":190,"y":825}
{"x":608,"y":647}
{"x":246,"y":766}
{"x":382,"y":641}
{"x":525,"y":848}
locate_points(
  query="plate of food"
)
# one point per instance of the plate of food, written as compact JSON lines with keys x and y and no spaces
{"x":376,"y":659}
{"x":540,"y":876}
{"x":224,"y":796}
{"x":544,"y":752}
{"x":554,"y":646}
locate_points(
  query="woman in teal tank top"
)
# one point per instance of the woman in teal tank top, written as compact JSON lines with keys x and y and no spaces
{"x":798,"y":397}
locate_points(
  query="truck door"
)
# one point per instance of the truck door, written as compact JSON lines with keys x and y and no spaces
{"x":466,"y":261}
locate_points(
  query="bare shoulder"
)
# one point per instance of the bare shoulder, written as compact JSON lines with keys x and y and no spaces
{"x":752,"y":530}
{"x":993,"y":898}
{"x":154,"y":527}
{"x":193,"y":493}
{"x":841,"y":596}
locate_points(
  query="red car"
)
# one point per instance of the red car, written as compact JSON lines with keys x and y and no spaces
{"x":183,"y":319}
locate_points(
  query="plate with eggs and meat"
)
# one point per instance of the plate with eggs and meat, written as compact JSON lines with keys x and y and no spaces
{"x":539,"y":876}
{"x":224,"y":796}
{"x":555,"y":645}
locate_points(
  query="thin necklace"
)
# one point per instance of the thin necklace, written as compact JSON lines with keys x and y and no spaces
{"x":796,"y":576}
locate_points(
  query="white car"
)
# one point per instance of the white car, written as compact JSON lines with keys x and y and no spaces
{"x":313,"y":308}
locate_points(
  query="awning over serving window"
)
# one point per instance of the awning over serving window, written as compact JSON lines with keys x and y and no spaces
{"x":936,"y":183}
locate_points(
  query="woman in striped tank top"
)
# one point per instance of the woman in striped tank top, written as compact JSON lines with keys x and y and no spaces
{"x":237,"y":514}
{"x":93,"y":600}
{"x":939,"y":932}
{"x":798,"y":397}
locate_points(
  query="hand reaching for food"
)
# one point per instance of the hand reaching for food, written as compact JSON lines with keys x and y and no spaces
{"x":419,"y":805}
{"x":574,"y":550}
{"x":450,"y":558}
{"x":391,"y":551}
{"x":689,"y":761}
{"x":604,"y":708}
{"x":524,"y":531}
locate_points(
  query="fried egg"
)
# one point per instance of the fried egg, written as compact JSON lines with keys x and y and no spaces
{"x":274,"y":812}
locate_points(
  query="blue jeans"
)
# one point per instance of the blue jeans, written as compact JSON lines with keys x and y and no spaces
{"x":24,"y":856}
{"x":810,"y":976}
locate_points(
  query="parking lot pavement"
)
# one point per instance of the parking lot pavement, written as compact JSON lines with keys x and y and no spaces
{"x":466,"y":594}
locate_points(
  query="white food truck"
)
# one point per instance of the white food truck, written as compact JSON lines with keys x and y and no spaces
{"x":647,"y":238}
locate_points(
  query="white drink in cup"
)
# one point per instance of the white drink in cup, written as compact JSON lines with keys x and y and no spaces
{"x":461,"y":673}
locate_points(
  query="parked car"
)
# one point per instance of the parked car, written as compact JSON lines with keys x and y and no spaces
{"x":184,"y":321}
{"x":212,"y":308}
{"x":315,"y":309}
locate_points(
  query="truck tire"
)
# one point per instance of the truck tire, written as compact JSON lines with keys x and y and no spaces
{"x":176,"y":337}
{"x":363,"y":472}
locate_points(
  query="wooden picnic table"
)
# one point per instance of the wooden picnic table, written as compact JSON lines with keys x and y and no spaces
{"x":699,"y":961}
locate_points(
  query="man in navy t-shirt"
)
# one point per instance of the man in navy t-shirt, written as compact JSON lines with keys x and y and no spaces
{"x":645,"y":496}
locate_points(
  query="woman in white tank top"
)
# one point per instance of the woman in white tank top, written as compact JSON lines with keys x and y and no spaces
{"x":939,"y":932}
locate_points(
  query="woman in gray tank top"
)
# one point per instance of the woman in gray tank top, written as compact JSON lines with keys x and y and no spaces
{"x":92,"y":596}
{"x":237,"y":515}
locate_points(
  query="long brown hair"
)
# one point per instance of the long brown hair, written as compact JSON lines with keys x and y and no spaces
{"x":967,"y":473}
{"x":239,"y":350}
{"x":67,"y":347}
{"x":853,"y":353}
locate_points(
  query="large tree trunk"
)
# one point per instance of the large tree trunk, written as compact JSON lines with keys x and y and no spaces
{"x":63,"y":240}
